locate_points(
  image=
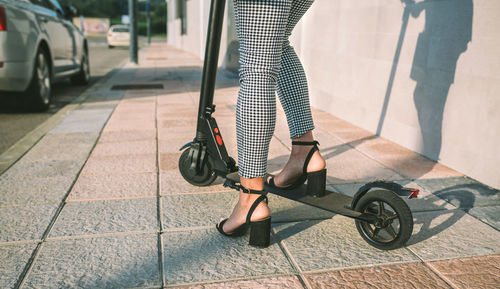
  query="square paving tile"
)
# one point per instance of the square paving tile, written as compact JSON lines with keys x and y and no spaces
{"x":169,"y":161}
{"x":411,"y":275}
{"x":346,"y":165}
{"x":31,"y":192}
{"x":101,"y":217}
{"x":25,"y":223}
{"x":107,"y":262}
{"x":75,"y":146}
{"x":336,"y":244}
{"x":141,"y":147}
{"x":403,"y":160}
{"x":79,"y":126}
{"x":172,"y":182}
{"x":38,"y":170}
{"x":451,"y":234}
{"x":462,"y":192}
{"x":270,"y":283}
{"x":120,"y":164}
{"x":206,"y":255}
{"x":194,"y":210}
{"x":477,"y":272}
{"x":114,"y":186}
{"x":425,"y":201}
{"x":14,"y":259}
{"x":489,"y":215}
{"x":127,"y":135}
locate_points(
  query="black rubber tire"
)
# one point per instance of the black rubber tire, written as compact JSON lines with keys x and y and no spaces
{"x":38,"y":95}
{"x":402,"y":211}
{"x":83,"y":75}
{"x":206,"y":177}
{"x":111,"y":46}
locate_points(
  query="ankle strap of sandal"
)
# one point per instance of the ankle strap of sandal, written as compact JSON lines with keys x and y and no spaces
{"x":305,"y":143}
{"x":254,"y":206}
{"x":250,"y":191}
{"x":315,"y":145}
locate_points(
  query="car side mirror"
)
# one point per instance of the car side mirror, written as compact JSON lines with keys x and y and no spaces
{"x":70,"y":11}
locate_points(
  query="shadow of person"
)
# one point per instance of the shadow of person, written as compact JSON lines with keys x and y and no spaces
{"x":447,"y":32}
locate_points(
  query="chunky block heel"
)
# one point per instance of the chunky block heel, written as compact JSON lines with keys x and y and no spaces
{"x":260,"y":233}
{"x":316,"y":183}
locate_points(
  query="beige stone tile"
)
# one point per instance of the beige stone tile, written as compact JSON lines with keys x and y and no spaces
{"x":114,"y":186}
{"x":127,"y":135}
{"x":476,"y":272}
{"x":169,"y":161}
{"x":346,"y":165}
{"x":411,"y":275}
{"x":291,"y":282}
{"x":120,"y":164}
{"x":125,"y":148}
{"x":403,"y":160}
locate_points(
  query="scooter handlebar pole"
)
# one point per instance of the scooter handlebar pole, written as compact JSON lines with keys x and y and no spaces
{"x":211,"y":56}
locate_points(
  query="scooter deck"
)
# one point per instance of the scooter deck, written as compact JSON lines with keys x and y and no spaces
{"x":331,"y":201}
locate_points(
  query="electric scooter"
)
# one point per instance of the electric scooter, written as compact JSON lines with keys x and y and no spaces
{"x":382,"y":218}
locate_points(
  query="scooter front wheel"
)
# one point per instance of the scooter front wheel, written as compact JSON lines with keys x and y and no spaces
{"x":205,"y":177}
{"x":394,"y":224}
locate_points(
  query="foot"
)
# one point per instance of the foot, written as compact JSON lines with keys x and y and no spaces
{"x":295,"y":165}
{"x":239,"y":215}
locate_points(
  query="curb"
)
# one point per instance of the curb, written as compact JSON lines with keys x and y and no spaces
{"x":21,"y":147}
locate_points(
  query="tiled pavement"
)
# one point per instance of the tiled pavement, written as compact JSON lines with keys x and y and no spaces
{"x":98,"y":202}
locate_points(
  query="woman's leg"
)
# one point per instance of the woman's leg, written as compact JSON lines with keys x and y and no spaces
{"x":294,"y":97}
{"x":261,"y":27}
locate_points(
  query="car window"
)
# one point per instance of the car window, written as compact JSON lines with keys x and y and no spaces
{"x":43,"y":3}
{"x":120,"y":29}
{"x":57,"y":6}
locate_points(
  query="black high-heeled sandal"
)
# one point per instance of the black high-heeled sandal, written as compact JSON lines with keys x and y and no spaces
{"x":316,"y":181}
{"x":260,"y":231}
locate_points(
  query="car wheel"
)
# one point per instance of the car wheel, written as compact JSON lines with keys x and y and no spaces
{"x":111,"y":46}
{"x":37,"y":96}
{"x":83,"y":76}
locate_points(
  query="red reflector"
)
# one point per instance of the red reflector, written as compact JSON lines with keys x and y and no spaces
{"x":218,"y":139}
{"x":1,"y":64}
{"x":216,"y":130}
{"x":3,"y":19}
{"x":413,"y":193}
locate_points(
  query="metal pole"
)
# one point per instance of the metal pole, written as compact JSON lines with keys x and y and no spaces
{"x":148,"y":19}
{"x":132,"y":11}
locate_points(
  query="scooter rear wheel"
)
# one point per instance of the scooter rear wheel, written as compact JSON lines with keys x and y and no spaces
{"x":203,"y":178}
{"x":395,"y":222}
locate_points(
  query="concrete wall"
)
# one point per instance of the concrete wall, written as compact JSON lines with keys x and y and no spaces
{"x":426,"y":77}
{"x":196,"y":15}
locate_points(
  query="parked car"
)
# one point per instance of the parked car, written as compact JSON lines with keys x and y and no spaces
{"x":118,"y":35}
{"x":38,"y":45}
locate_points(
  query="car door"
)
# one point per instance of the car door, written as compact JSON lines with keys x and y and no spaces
{"x":50,"y":23}
{"x":69,"y":36}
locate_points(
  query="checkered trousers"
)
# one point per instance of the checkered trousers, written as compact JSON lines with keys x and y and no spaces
{"x":268,"y":64}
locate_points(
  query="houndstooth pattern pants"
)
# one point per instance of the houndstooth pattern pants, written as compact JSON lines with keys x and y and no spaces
{"x":268,"y":64}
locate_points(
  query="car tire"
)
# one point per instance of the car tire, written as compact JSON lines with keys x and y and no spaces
{"x":38,"y":95}
{"x":111,"y":46}
{"x":83,"y":75}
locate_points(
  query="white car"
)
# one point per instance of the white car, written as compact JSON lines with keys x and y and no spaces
{"x":118,"y":35}
{"x":39,"y":44}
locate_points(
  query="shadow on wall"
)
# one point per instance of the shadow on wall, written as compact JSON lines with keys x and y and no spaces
{"x":447,"y":32}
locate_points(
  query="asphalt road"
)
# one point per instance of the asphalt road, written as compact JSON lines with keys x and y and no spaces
{"x":15,"y":124}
